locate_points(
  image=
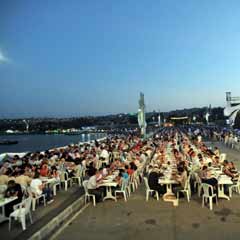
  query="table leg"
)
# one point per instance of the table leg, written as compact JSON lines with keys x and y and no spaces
{"x":221,"y":193}
{"x":169,"y":189}
{"x":2,"y":215}
{"x":170,"y":193}
{"x":109,"y":194}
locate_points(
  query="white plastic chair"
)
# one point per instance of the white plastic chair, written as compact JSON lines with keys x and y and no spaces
{"x":134,"y":181}
{"x":65,"y":180}
{"x":78,"y":177}
{"x":235,"y":187}
{"x":198,"y":184}
{"x":35,"y":198}
{"x":123,"y":189}
{"x":20,"y":212}
{"x":187,"y":189}
{"x":148,"y":190}
{"x":3,"y":188}
{"x":57,"y":183}
{"x":208,"y":194}
{"x":87,"y":195}
{"x":222,"y":157}
{"x":98,"y":164}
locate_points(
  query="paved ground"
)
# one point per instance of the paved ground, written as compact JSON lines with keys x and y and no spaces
{"x":42,"y":215}
{"x":138,"y":219}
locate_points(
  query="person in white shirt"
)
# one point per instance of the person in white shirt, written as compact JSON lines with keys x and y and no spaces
{"x":38,"y":188}
{"x":92,"y":185}
{"x":105,"y":155}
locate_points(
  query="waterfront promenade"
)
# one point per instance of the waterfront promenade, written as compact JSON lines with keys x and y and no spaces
{"x":42,"y":216}
{"x":138,"y":219}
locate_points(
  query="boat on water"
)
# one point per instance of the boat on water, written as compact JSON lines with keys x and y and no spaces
{"x":8,"y":142}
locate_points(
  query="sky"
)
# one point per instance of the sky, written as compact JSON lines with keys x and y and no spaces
{"x":63,"y":58}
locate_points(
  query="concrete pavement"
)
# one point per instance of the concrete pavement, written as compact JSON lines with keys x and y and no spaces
{"x":138,"y":219}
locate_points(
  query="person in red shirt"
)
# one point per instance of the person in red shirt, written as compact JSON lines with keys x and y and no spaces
{"x":129,"y":170}
{"x":44,"y":170}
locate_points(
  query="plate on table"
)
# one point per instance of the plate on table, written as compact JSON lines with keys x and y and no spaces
{"x":106,"y":180}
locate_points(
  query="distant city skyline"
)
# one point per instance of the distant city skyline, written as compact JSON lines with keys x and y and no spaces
{"x":85,"y":58}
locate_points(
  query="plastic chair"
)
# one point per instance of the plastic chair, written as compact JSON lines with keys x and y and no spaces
{"x":87,"y":195}
{"x":123,"y":189}
{"x":65,"y":180}
{"x":78,"y":177}
{"x":222,"y":157}
{"x":20,"y":212}
{"x":208,"y":194}
{"x":148,"y":190}
{"x":58,"y":183}
{"x":35,"y":198}
{"x":198,"y":184}
{"x":187,"y":189}
{"x":98,"y":164}
{"x":235,"y":187}
{"x":3,"y":188}
{"x":132,"y":185}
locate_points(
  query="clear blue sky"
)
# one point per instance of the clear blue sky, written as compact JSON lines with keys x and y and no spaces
{"x":91,"y":57}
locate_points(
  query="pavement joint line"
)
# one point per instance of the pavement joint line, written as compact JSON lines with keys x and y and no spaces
{"x":56,"y":234}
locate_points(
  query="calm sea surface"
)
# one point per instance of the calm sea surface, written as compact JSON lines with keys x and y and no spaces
{"x":33,"y":143}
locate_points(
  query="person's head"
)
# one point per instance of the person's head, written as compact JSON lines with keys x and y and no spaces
{"x":11,"y":183}
{"x":54,"y":168}
{"x":92,"y":172}
{"x":231,"y":164}
{"x":37,"y":174}
{"x":204,"y":168}
{"x":121,"y":171}
{"x":225,"y":162}
{"x":180,"y":169}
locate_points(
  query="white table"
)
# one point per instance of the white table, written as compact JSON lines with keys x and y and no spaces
{"x":168,"y":182}
{"x":223,"y":180}
{"x":2,"y":205}
{"x":108,"y":185}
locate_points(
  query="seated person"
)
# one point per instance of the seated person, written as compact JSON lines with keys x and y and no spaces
{"x":153,"y":178}
{"x":129,"y":170}
{"x":99,"y":174}
{"x":133,"y":166}
{"x":92,"y":185}
{"x":227,"y":169}
{"x":207,"y":177}
{"x":232,"y":168}
{"x":13,"y":190}
{"x":44,"y":170}
{"x":122,"y":176}
{"x":181,"y":177}
{"x":39,"y":188}
{"x":23,"y":179}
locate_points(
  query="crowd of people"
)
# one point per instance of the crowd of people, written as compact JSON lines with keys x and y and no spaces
{"x":178,"y":152}
{"x":90,"y":161}
{"x":187,"y":158}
